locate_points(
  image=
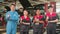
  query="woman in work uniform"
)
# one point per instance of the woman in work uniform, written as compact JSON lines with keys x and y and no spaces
{"x":38,"y":21}
{"x":25,"y":23}
{"x":52,"y":19}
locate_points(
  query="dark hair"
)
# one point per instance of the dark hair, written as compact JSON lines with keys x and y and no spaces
{"x":26,"y":10}
{"x":38,"y":9}
{"x":49,"y":7}
{"x":13,"y":5}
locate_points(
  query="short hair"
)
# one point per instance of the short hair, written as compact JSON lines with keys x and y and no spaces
{"x":13,"y":5}
{"x":37,"y":9}
{"x":26,"y":10}
{"x":49,"y":7}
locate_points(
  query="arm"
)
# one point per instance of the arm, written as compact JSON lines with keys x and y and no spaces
{"x":52,"y":21}
{"x":41,"y":21}
{"x":28,"y":22}
{"x":35,"y":20}
{"x":47,"y":18}
{"x":21,"y":21}
{"x":14,"y":18}
{"x":56,"y":20}
{"x":24,"y":22}
{"x":7,"y":16}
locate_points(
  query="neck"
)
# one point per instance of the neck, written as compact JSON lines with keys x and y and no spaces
{"x":51,"y":12}
{"x":37,"y":15}
{"x":12,"y":10}
{"x":25,"y":15}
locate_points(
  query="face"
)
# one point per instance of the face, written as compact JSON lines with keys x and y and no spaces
{"x":25,"y":12}
{"x":50,"y":9}
{"x":37,"y":12}
{"x":12,"y":7}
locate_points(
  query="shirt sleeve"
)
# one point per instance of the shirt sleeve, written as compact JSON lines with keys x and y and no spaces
{"x":6,"y":16}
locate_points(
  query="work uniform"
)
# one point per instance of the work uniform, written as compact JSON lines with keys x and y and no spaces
{"x":24,"y":29}
{"x":38,"y":29}
{"x":12,"y":19}
{"x":51,"y":26}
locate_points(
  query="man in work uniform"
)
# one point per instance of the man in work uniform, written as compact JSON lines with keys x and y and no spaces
{"x":12,"y":19}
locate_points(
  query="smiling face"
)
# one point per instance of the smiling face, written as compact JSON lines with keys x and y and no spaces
{"x":50,"y":9}
{"x":12,"y":7}
{"x":38,"y":12}
{"x":25,"y":12}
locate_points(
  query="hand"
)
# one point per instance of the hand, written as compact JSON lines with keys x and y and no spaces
{"x":26,"y":23}
{"x":41,"y":21}
{"x":36,"y":23}
{"x":37,"y":20}
{"x":21,"y":22}
{"x":47,"y":18}
{"x":8,"y":15}
{"x":54,"y":20}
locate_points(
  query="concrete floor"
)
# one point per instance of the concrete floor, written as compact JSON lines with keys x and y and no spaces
{"x":3,"y":31}
{"x":30,"y":32}
{"x":16,"y":33}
